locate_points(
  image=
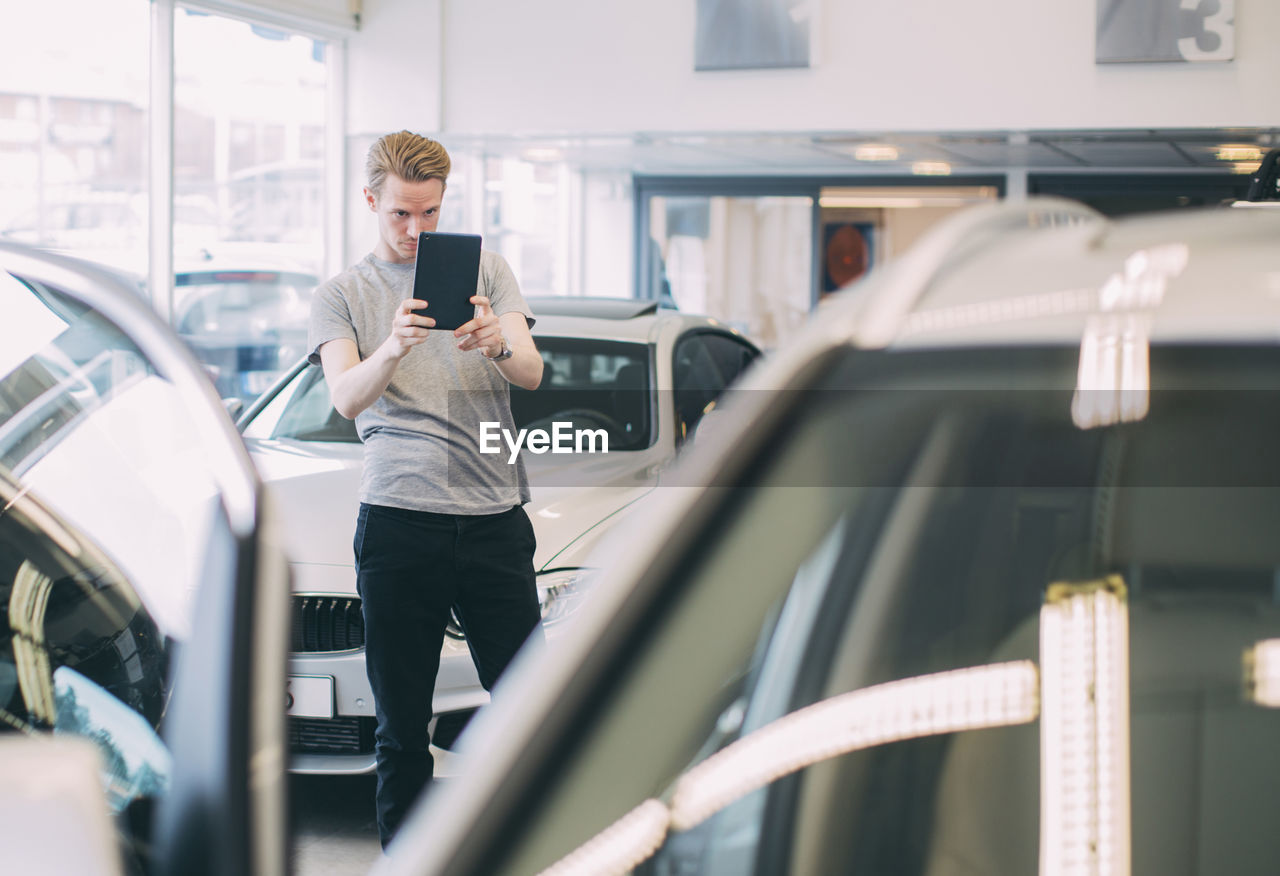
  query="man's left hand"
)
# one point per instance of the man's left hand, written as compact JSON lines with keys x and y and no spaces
{"x":483,"y":332}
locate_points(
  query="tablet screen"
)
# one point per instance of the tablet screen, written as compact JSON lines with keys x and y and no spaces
{"x":445,"y":276}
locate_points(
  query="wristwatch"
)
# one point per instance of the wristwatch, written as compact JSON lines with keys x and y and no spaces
{"x":502,"y":356}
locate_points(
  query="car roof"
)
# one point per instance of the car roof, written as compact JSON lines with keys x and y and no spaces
{"x":599,"y":308}
{"x":623,"y":319}
{"x":1192,"y":275}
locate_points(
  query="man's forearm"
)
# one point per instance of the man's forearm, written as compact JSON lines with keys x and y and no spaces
{"x":360,"y":385}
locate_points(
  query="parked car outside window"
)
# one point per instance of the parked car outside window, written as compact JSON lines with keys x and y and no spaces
{"x":247,"y":324}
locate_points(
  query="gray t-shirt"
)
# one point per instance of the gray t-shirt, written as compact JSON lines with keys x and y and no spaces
{"x":422,"y":435}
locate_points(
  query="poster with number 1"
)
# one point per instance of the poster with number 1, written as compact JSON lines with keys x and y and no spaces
{"x":1165,"y":30}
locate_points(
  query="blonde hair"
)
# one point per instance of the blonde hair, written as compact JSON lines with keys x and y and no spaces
{"x":410,"y":156}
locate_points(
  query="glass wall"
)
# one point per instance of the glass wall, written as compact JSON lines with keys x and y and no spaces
{"x":565,"y":230}
{"x":250,"y":119}
{"x":248,"y":195}
{"x":745,"y":260}
{"x":73,"y":128}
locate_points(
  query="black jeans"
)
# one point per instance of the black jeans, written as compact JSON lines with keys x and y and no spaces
{"x":411,"y":568}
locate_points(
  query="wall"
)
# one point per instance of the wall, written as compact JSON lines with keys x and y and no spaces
{"x":393,"y":67}
{"x":575,"y":66}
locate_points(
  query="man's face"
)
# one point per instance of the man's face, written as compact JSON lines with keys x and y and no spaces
{"x":404,"y":209}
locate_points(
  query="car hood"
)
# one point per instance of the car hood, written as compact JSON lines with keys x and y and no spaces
{"x":316,"y":486}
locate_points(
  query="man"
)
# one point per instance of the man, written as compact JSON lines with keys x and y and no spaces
{"x":440,"y":525}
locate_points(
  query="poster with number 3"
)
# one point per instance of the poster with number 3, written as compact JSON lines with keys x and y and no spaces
{"x":1165,"y":30}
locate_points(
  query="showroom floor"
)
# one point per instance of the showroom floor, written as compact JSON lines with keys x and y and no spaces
{"x":335,"y":833}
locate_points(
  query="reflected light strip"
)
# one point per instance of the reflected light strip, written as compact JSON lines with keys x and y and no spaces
{"x":1113,"y":380}
{"x":1262,"y":673}
{"x":998,"y":695}
{"x":1113,"y":383}
{"x":1084,"y":730}
{"x":618,"y":849}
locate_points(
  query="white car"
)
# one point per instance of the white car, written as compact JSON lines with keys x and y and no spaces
{"x":642,"y":374}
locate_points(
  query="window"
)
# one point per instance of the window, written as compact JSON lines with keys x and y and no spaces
{"x":248,"y":194}
{"x":745,"y":260}
{"x":705,"y":364}
{"x":73,"y":146}
{"x":593,"y":384}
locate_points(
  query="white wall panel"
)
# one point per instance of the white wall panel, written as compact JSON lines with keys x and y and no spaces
{"x":578,"y":66}
{"x":394,"y":68}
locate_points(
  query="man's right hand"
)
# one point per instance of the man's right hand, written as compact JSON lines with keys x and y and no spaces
{"x":356,"y":383}
{"x":408,"y":329}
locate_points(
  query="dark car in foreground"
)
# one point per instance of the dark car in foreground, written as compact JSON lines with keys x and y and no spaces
{"x":978,"y":576}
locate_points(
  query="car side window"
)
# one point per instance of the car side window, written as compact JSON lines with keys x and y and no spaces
{"x":310,"y":414}
{"x":697,"y":380}
{"x":592,"y":384}
{"x":732,"y":355}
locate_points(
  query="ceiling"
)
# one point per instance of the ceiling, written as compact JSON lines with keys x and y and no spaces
{"x":890,"y":153}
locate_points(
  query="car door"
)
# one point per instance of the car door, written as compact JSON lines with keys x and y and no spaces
{"x":145,"y":588}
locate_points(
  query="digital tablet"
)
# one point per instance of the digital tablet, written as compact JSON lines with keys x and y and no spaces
{"x":445,"y":276}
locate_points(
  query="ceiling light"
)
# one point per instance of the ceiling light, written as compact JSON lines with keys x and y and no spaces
{"x":931,"y":168}
{"x":1231,"y":152}
{"x":876,"y":152}
{"x":913,"y":196}
{"x":1246,"y":167}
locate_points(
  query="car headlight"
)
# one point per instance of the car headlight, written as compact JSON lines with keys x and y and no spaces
{"x":561,"y":592}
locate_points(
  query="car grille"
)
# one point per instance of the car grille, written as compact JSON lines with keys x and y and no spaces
{"x":327,"y":623}
{"x":340,"y":735}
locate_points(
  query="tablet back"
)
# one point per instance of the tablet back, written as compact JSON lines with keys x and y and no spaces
{"x":445,"y":276}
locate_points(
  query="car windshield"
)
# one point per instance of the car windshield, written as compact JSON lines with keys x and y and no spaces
{"x":593,"y":384}
{"x":957,"y":632}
